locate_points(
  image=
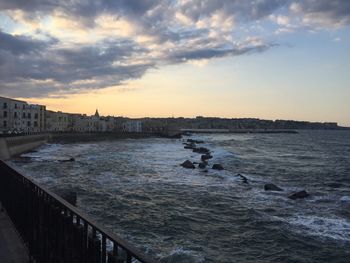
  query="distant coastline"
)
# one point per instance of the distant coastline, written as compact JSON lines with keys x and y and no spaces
{"x":186,"y":131}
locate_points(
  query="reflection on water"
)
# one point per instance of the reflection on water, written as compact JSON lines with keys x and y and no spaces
{"x":138,"y":189}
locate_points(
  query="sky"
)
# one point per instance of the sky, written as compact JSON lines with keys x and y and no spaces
{"x":269,"y":59}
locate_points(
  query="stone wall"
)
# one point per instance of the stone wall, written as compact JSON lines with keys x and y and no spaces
{"x":12,"y":146}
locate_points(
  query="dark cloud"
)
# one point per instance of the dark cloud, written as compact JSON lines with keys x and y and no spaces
{"x":325,"y":12}
{"x":18,"y":45}
{"x":32,"y":66}
{"x":29,"y":5}
{"x":247,"y":10}
{"x":66,"y":69}
{"x":209,"y":53}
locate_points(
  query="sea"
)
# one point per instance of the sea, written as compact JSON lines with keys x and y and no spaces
{"x":137,"y":188}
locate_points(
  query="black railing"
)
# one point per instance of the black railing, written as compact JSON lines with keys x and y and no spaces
{"x":55,"y":231}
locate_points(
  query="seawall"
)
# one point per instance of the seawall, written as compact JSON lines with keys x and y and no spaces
{"x":12,"y":146}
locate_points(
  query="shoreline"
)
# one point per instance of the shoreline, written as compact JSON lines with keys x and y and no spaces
{"x":13,"y":146}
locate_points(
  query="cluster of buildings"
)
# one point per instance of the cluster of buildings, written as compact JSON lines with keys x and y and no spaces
{"x":21,"y":117}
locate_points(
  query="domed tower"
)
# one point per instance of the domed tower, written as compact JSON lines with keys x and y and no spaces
{"x":97,"y":114}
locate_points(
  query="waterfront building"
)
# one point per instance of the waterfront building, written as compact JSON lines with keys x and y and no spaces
{"x":132,"y":126}
{"x":18,"y":116}
{"x":57,"y":121}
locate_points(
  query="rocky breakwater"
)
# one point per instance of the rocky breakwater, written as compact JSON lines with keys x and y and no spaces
{"x":206,"y":156}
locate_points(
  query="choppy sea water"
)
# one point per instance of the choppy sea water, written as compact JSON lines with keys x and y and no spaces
{"x":138,"y":189}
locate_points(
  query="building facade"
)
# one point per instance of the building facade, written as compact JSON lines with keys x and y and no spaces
{"x":17,"y":117}
{"x":132,"y":126}
{"x":20,"y":117}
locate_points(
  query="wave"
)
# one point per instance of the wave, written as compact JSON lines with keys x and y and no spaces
{"x":333,"y":228}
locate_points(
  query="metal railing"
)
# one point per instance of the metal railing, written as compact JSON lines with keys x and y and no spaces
{"x":55,"y":231}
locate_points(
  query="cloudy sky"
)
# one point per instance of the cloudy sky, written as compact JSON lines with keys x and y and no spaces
{"x":270,"y":59}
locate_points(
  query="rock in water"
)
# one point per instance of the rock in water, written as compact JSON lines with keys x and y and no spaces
{"x":272,"y":187}
{"x":190,"y":146}
{"x":202,"y":165}
{"x":71,"y":159}
{"x":217,"y":166}
{"x":297,"y":195}
{"x":194,"y":141}
{"x":244,"y":179}
{"x":206,"y":157}
{"x":201,"y":150}
{"x":188,"y":164}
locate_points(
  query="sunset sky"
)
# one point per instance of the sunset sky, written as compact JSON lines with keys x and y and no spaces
{"x":273,"y":59}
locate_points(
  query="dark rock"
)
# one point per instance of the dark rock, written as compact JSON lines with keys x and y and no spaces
{"x":188,"y":164}
{"x":190,"y":146}
{"x":201,"y":150}
{"x":244,"y":179}
{"x":202,"y":165}
{"x":272,"y":187}
{"x":217,"y":166}
{"x":301,"y":194}
{"x":206,"y":157}
{"x":194,"y":141}
{"x":71,"y":159}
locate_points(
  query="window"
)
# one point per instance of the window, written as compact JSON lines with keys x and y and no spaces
{"x":24,"y":115}
{"x":28,"y":123}
{"x":15,"y":105}
{"x":35,"y":115}
{"x":5,"y":105}
{"x":23,"y":106}
{"x":35,"y":124}
{"x":5,"y":124}
{"x":5,"y":114}
{"x":29,"y":115}
{"x":15,"y":114}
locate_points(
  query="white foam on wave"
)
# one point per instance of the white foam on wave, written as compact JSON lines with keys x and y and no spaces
{"x":333,"y":228}
{"x":57,"y":152}
{"x":46,"y":152}
{"x":182,"y":255}
{"x":345,"y":199}
{"x":42,"y":150}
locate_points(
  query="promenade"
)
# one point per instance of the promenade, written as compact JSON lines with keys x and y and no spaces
{"x":12,"y":249}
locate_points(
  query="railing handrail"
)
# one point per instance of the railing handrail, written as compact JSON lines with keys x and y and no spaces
{"x":111,"y":236}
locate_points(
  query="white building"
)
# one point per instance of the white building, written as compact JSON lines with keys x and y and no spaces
{"x":132,"y":126}
{"x":20,"y":117}
{"x":57,"y":121}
